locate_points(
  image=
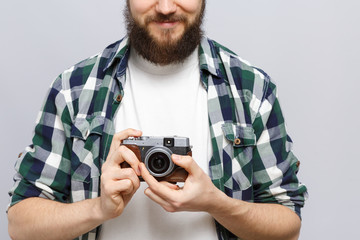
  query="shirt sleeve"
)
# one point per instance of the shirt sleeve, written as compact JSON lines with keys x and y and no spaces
{"x":275,"y":166}
{"x":43,"y":168}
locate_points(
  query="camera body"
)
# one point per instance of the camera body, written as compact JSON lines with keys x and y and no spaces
{"x":155,"y":153}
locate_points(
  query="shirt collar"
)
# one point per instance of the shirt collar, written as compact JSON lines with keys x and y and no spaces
{"x":208,"y":59}
{"x":117,"y":53}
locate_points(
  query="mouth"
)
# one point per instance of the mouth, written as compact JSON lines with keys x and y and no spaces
{"x":166,"y":22}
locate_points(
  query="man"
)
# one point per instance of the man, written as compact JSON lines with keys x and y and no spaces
{"x":164,"y":79}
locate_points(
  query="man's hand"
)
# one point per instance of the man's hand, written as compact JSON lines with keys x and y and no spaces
{"x":198,"y":193}
{"x":118,"y":185}
{"x":248,"y":221}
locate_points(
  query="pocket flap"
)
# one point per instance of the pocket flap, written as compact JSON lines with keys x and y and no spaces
{"x":239,"y":135}
{"x":83,"y":127}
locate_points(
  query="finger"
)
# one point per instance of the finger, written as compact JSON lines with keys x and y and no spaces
{"x":124,"y":154}
{"x":116,"y":174}
{"x":118,"y":137}
{"x":126,"y":186}
{"x":187,"y":163}
{"x":115,"y":188}
{"x":116,"y":141}
{"x":134,"y":178}
{"x":164,"y":204}
{"x":170,"y":185}
{"x":159,"y":189}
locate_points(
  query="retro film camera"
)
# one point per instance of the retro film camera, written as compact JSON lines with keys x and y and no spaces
{"x":155,"y":153}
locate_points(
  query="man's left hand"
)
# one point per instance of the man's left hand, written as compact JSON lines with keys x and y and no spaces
{"x":197,"y":194}
{"x":245,"y":220}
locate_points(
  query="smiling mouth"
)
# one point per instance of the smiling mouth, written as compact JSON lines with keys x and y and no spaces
{"x":166,"y":21}
{"x":167,"y":24}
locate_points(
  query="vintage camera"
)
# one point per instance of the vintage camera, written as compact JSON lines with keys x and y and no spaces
{"x":155,"y":153}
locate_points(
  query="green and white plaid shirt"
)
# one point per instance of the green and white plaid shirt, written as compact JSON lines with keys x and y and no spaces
{"x":252,"y":158}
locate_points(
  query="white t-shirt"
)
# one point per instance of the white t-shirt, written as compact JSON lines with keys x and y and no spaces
{"x":163,"y":101}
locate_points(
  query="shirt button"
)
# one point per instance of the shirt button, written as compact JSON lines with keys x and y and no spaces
{"x":87,"y":133}
{"x":119,"y":98}
{"x":237,"y":141}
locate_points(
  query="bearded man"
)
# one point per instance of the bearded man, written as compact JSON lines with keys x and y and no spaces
{"x":164,"y":79}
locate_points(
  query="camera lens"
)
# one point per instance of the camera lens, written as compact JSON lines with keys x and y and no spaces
{"x":158,"y":161}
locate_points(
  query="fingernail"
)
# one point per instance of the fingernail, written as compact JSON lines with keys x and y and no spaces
{"x":175,"y":157}
{"x":138,"y":170}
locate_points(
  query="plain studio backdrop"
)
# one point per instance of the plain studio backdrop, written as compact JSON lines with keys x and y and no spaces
{"x":309,"y":47}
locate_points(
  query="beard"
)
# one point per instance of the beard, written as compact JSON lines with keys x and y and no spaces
{"x":165,"y":50}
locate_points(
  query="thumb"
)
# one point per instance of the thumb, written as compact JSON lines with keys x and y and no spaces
{"x":187,"y":163}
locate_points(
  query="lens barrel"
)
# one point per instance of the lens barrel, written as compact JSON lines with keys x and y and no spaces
{"x":158,"y":161}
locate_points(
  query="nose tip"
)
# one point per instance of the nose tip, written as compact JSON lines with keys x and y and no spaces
{"x":166,"y":7}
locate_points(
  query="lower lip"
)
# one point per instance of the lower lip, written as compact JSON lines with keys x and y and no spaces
{"x":167,"y":24}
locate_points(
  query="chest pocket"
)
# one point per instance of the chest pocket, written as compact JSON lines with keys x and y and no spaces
{"x":241,"y":141}
{"x":86,"y":136}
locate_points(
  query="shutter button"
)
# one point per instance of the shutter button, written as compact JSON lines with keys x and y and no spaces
{"x":237,"y":141}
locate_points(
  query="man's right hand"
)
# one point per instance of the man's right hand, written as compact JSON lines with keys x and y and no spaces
{"x":54,"y":220}
{"x":118,"y":185}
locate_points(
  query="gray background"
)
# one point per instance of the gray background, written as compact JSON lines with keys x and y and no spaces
{"x":309,"y":47}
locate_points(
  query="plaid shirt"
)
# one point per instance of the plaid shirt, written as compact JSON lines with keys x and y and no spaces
{"x":252,"y":158}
